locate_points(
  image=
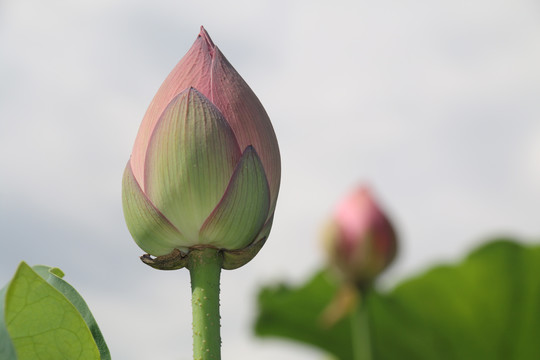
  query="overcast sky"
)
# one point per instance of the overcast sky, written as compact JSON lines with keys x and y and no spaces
{"x":435,"y":105}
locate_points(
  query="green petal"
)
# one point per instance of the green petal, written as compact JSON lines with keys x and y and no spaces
{"x":233,"y":259}
{"x":191,"y":157}
{"x":149,"y":228}
{"x":242,"y":212}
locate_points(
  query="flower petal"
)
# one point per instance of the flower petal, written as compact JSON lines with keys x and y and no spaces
{"x":206,"y":69}
{"x":191,"y":158}
{"x":242,"y":211}
{"x":191,"y":71}
{"x":247,"y":117}
{"x":233,"y":259}
{"x":150,"y":229}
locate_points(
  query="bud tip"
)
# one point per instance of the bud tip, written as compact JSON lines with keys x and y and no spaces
{"x":204,"y":34}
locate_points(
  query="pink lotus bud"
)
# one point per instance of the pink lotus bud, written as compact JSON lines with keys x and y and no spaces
{"x":361,"y":241}
{"x":205,"y":167}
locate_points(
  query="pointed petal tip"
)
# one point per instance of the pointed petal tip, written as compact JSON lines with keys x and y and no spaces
{"x":204,"y":34}
{"x":250,"y":149}
{"x":187,"y":93}
{"x":192,"y":93}
{"x":192,"y":90}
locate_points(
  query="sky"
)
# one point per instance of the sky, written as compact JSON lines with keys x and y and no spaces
{"x":434,"y":105}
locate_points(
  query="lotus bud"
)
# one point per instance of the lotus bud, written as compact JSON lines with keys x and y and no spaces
{"x":360,"y":239}
{"x":205,"y":167}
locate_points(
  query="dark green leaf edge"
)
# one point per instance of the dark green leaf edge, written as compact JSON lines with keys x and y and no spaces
{"x":54,"y":277}
{"x":7,"y":350}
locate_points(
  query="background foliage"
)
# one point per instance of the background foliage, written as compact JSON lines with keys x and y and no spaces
{"x":485,"y":307}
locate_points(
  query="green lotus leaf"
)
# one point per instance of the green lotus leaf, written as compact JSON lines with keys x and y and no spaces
{"x":485,"y":307}
{"x":43,"y":317}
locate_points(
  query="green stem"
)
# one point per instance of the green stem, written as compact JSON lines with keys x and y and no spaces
{"x":361,"y":340}
{"x":204,"y":266}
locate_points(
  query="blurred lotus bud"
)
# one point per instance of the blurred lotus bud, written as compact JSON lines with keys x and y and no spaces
{"x":205,"y":167}
{"x":360,"y":240}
